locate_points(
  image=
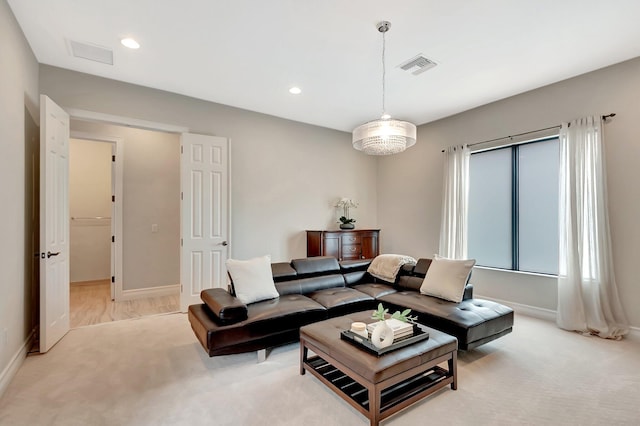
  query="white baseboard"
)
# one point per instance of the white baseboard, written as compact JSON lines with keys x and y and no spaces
{"x":14,"y":365}
{"x":549,"y":315}
{"x":530,"y":311}
{"x":138,"y":293}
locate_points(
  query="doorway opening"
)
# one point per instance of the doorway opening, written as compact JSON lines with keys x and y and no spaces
{"x":122,"y":205}
{"x":92,"y":230}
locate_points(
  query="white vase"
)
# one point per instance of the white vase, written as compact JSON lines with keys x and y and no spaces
{"x":382,"y":335}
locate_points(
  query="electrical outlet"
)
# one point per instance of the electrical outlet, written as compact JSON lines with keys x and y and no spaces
{"x":154,"y":227}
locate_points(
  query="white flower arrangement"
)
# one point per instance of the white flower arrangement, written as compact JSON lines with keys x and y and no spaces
{"x":346,"y":204}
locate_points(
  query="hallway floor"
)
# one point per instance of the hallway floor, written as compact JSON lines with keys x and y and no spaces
{"x":90,"y":303}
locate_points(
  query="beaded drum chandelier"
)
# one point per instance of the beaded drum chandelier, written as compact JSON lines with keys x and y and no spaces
{"x":385,"y":135}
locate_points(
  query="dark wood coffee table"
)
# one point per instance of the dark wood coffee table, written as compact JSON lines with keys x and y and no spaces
{"x":377,"y":386}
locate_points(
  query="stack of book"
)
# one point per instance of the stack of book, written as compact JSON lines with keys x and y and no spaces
{"x":400,"y":329}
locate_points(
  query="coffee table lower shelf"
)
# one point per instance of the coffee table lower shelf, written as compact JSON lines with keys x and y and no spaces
{"x":389,"y":397}
{"x":377,"y":386}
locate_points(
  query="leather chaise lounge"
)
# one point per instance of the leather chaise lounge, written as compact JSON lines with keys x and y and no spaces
{"x":317,"y":288}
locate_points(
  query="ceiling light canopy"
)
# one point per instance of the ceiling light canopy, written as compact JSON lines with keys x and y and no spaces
{"x":130,"y":43}
{"x":385,"y":135}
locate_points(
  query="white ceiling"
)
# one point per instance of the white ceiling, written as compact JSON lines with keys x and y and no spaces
{"x":248,"y":53}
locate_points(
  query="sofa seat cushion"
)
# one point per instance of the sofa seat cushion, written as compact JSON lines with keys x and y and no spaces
{"x":285,"y":312}
{"x":266,"y":318}
{"x":375,"y":290}
{"x":470,"y":320}
{"x":342,"y":299}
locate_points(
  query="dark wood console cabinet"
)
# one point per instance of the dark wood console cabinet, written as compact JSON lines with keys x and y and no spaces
{"x":344,"y":245}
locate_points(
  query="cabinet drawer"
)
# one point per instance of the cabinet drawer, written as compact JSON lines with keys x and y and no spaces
{"x":351,"y":239}
{"x":351,"y":251}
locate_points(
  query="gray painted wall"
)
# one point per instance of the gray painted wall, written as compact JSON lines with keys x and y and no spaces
{"x":19,"y":106}
{"x":410,"y":184}
{"x":285,"y":175}
{"x":89,"y":198}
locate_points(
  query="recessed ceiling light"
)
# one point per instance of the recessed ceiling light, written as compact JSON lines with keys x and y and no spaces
{"x":295,"y":90}
{"x":130,"y":43}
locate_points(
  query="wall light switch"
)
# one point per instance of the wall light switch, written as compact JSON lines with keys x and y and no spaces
{"x":154,"y":227}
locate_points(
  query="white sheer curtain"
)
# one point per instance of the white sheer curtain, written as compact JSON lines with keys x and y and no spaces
{"x":587,"y":295}
{"x":455,"y":196}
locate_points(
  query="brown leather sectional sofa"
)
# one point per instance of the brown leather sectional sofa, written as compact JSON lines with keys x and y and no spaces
{"x":317,"y":288}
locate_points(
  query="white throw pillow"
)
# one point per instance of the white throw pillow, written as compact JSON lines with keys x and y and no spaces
{"x":252,"y":279}
{"x":447,"y":278}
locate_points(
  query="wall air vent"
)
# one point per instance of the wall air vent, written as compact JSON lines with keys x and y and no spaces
{"x":417,"y":65}
{"x":91,"y":52}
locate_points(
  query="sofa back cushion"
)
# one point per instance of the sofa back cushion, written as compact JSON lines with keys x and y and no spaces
{"x":314,"y":266}
{"x":357,"y":277}
{"x":407,"y":282}
{"x":420,"y":270}
{"x":411,"y":276}
{"x":282,"y":271}
{"x":354,"y":265}
{"x":308,"y":285}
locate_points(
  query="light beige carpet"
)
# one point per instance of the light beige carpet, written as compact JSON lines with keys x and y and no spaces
{"x":152,"y":371}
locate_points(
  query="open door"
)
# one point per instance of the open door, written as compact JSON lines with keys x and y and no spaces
{"x":54,"y":223}
{"x":114,"y":214}
{"x":204,"y":232}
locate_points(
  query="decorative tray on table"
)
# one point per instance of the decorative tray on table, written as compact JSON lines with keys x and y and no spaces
{"x":357,"y":340}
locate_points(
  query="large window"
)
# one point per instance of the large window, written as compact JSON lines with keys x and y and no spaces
{"x":513,"y":207}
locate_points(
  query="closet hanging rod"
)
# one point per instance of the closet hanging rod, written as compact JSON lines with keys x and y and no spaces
{"x":90,"y":218}
{"x":604,"y":118}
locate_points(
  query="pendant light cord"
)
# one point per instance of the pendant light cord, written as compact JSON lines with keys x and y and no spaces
{"x":384,"y":73}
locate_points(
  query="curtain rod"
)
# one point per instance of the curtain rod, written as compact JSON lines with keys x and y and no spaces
{"x":604,"y":118}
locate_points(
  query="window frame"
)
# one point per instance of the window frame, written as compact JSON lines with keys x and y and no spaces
{"x":515,"y":200}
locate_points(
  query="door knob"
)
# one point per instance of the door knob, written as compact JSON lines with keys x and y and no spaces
{"x":49,"y":254}
{"x":224,"y":243}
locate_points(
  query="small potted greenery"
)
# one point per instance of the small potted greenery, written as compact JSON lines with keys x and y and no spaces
{"x":382,"y":335}
{"x":346,"y":223}
{"x":381,"y":315}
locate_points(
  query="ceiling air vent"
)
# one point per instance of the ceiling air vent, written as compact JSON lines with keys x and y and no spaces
{"x":417,"y":65}
{"x":91,"y":52}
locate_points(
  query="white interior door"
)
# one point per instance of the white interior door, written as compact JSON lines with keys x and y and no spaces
{"x":54,"y":223}
{"x":113,"y":221}
{"x":205,"y":215}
